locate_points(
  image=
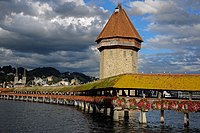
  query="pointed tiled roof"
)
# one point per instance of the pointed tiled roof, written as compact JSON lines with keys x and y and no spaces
{"x":119,"y":26}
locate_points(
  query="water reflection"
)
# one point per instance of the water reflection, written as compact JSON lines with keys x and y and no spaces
{"x":26,"y":117}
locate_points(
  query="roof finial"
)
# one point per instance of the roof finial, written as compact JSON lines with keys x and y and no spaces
{"x":118,"y":8}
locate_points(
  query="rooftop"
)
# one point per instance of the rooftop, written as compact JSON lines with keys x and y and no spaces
{"x":182,"y":82}
{"x":119,"y":26}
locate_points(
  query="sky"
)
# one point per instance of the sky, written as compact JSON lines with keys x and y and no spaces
{"x":62,"y":33}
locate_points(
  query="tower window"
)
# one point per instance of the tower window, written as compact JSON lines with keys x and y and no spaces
{"x":124,"y":53}
{"x":131,"y":53}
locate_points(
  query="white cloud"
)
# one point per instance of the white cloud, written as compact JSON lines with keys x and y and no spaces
{"x":151,"y":6}
{"x":67,"y":21}
{"x":57,"y":33}
{"x":4,"y":33}
{"x":5,"y":52}
{"x":175,"y":44}
{"x":40,"y":8}
{"x":78,"y":2}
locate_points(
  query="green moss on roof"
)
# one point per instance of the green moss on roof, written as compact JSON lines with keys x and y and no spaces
{"x":184,"y":82}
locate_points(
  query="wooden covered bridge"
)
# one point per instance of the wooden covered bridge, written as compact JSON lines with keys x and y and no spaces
{"x":122,"y":93}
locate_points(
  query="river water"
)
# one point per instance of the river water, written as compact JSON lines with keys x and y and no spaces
{"x":27,"y":117}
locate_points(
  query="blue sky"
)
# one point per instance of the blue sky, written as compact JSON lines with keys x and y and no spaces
{"x":62,"y":33}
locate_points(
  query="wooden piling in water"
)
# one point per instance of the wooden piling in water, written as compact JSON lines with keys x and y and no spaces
{"x":142,"y":117}
{"x":126,"y":114}
{"x":115,"y":115}
{"x":186,"y":119}
{"x":162,"y":113}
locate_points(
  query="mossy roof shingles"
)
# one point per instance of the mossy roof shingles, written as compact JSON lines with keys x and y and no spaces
{"x":184,"y":82}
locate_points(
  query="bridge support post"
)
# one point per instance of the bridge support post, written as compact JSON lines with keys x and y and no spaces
{"x":75,"y":103}
{"x":88,"y":107}
{"x":94,"y":108}
{"x":142,"y":117}
{"x":51,"y":100}
{"x":64,"y":101}
{"x":43,"y":99}
{"x":105,"y":111}
{"x":81,"y":105}
{"x":126,"y":114}
{"x":78,"y":104}
{"x":162,"y":116}
{"x":186,"y":119}
{"x":57,"y":101}
{"x":109,"y":112}
{"x":115,"y":115}
{"x":16,"y":98}
{"x":84,"y":106}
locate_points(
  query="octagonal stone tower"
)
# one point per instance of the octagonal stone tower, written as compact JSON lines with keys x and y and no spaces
{"x":118,"y":43}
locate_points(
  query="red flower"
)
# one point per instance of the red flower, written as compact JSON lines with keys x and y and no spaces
{"x":144,"y":104}
{"x":119,"y":102}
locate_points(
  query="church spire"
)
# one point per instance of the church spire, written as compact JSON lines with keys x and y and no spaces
{"x":16,"y":73}
{"x":16,"y":76}
{"x":24,"y":77}
{"x":24,"y":74}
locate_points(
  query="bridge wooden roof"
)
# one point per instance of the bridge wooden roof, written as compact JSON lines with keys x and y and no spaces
{"x":184,"y":82}
{"x":181,"y":82}
{"x":119,"y":26}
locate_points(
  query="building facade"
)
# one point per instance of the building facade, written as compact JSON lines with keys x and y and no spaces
{"x":118,"y":43}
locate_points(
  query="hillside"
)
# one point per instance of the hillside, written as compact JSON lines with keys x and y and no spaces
{"x":7,"y":74}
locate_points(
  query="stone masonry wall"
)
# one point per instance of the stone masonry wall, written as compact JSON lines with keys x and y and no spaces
{"x":117,"y":61}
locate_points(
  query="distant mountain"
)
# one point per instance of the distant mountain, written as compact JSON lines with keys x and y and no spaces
{"x":80,"y":76}
{"x":49,"y":71}
{"x":7,"y":74}
{"x":44,"y":72}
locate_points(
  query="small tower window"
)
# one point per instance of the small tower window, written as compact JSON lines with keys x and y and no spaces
{"x":131,"y":53}
{"x":124,"y":53}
